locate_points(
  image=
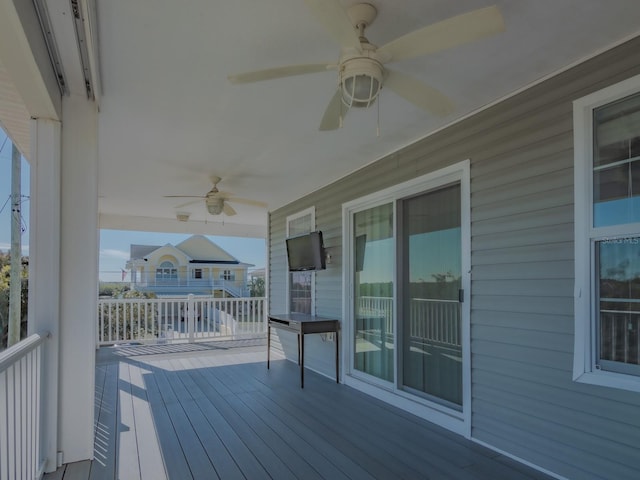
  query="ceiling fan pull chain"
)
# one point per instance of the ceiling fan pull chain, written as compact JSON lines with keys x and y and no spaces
{"x":378,"y":120}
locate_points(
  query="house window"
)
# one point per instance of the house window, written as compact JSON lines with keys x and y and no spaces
{"x":300,"y":285}
{"x":197,"y":273}
{"x":607,"y":207}
{"x":166,"y":272}
{"x":228,"y":275}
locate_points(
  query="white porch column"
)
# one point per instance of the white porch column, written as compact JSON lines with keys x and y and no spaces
{"x":78,"y":276}
{"x":44,"y":269}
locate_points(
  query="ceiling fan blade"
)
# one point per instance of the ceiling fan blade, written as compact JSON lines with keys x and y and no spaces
{"x":228,"y":210}
{"x":279,"y":72}
{"x":192,"y":202}
{"x":335,"y":112}
{"x":446,"y":34}
{"x":418,"y":93}
{"x":247,"y":201}
{"x":182,"y":196}
{"x":335,"y":20}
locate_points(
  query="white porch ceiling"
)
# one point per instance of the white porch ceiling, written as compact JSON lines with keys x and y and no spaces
{"x":169,"y":118}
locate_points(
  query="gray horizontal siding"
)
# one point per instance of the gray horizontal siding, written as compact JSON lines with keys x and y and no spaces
{"x":521,"y":151}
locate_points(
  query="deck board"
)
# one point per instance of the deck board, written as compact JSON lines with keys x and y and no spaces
{"x":128,"y":455}
{"x":150,"y":456}
{"x":217,"y":412}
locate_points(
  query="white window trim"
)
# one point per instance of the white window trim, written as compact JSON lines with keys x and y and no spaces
{"x":459,"y":422}
{"x":584,"y":358}
{"x":303,"y":213}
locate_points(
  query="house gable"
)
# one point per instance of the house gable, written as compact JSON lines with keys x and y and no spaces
{"x":203,"y":250}
{"x":168,"y":253}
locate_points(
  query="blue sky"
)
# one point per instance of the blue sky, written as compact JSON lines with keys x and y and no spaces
{"x":114,"y":244}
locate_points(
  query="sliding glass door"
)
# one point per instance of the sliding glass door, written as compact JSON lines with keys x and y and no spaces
{"x":430,"y":292}
{"x":408,"y":250}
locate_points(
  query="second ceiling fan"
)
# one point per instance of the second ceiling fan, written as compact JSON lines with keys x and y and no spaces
{"x":217,"y":202}
{"x":361,"y":67}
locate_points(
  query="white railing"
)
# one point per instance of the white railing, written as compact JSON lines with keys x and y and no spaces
{"x":435,"y":321}
{"x":619,"y":336}
{"x":20,"y":409}
{"x":179,"y":319}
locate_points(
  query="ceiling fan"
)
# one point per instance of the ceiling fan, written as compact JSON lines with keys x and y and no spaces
{"x":217,"y":202}
{"x":361,"y":67}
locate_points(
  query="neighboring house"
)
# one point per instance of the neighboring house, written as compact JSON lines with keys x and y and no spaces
{"x":528,"y":213}
{"x":196,"y":265}
{"x":257,"y":273}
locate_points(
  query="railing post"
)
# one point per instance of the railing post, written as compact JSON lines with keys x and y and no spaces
{"x":191,"y":317}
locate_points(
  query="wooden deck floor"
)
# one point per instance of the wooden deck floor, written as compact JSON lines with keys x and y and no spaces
{"x":207,"y":412}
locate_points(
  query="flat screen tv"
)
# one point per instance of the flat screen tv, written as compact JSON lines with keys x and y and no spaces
{"x":306,"y":252}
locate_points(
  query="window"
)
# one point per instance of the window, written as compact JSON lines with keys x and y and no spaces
{"x":228,"y":275}
{"x":607,"y":236}
{"x":166,"y":272}
{"x":301,"y":284}
{"x":197,"y":273}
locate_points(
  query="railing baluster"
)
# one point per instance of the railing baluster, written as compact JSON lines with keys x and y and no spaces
{"x":110,"y":327}
{"x":4,"y":423}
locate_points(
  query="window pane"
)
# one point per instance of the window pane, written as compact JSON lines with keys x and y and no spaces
{"x":619,"y":300}
{"x":373,"y":291}
{"x":300,"y":225}
{"x":616,"y":176}
{"x":300,"y":292}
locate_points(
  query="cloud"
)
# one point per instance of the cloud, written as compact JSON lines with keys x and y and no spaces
{"x":112,"y":253}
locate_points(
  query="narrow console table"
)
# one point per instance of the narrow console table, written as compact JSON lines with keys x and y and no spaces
{"x":301,"y":324}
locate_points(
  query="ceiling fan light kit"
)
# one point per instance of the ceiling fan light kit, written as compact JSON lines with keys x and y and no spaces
{"x":360,"y":81}
{"x":214,"y":204}
{"x":361,"y":73}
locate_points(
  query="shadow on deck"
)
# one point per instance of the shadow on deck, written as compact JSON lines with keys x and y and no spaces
{"x":209,"y":411}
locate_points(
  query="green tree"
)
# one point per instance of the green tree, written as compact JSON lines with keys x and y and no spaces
{"x":256,"y":287}
{"x":112,"y":289}
{"x":5,"y":277}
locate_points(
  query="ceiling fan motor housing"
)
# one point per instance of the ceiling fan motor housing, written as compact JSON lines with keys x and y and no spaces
{"x":361,"y":77}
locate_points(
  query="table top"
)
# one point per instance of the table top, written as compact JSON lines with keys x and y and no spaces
{"x":299,"y":317}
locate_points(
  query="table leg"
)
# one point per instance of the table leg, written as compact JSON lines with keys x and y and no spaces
{"x":298,"y":349}
{"x":337,"y":357}
{"x":301,"y":360}
{"x":268,"y":345}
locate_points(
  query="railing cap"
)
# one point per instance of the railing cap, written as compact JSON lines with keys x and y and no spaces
{"x":16,"y":352}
